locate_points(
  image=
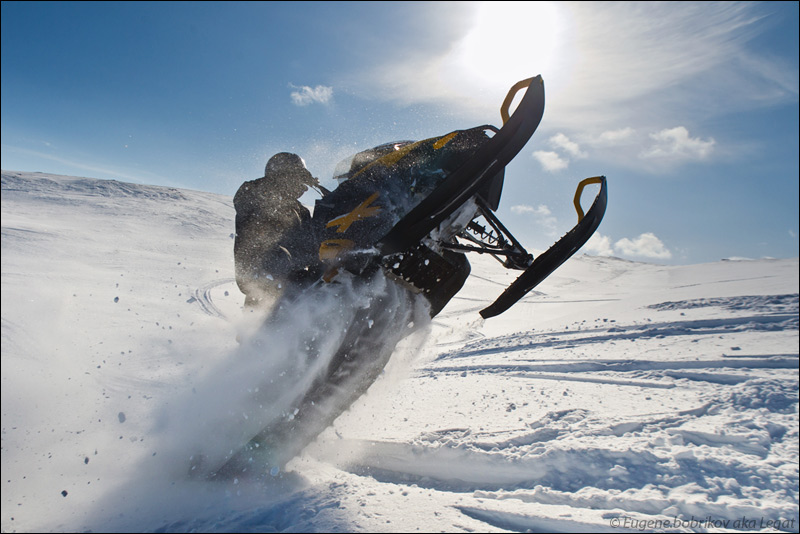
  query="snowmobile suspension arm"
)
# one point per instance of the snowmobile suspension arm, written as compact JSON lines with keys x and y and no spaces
{"x":497,"y":242}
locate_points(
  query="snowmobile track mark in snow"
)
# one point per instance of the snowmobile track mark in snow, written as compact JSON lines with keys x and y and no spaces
{"x":572,"y":339}
{"x":594,"y":366}
{"x":203,"y":298}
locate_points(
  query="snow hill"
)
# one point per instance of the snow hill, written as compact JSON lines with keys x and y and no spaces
{"x":619,"y":396}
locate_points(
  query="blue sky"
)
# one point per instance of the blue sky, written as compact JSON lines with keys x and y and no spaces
{"x":689,"y":109}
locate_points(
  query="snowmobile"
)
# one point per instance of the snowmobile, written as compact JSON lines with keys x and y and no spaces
{"x":395,"y":232}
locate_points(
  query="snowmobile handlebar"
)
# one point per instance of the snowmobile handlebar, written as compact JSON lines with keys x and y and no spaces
{"x":323,"y":191}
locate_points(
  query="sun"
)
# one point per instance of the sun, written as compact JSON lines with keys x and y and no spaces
{"x":510,"y":41}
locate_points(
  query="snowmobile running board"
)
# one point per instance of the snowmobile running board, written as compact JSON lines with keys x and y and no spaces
{"x":555,"y":256}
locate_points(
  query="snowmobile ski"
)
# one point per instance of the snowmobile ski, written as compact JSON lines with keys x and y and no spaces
{"x":557,"y":254}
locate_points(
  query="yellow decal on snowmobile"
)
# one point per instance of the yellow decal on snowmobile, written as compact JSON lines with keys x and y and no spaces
{"x":362,"y":211}
{"x":444,"y":140}
{"x":331,"y":248}
{"x":329,"y":276}
{"x":390,"y":159}
{"x":393,"y":157}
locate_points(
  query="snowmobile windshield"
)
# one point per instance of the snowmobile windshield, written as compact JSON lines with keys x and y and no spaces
{"x":350,"y":165}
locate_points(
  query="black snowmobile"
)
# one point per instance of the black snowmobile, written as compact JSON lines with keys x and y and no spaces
{"x":395,"y":232}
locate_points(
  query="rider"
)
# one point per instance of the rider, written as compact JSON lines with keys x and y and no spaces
{"x":272,"y":228}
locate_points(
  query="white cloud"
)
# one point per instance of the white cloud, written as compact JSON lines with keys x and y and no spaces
{"x":540,"y":210}
{"x":553,"y":161}
{"x":603,"y":62}
{"x":550,"y":161}
{"x":599,"y":245}
{"x":542,"y":215}
{"x":675,"y":143}
{"x":613,"y":137}
{"x":305,"y":95}
{"x":646,"y":245}
{"x":567,"y":145}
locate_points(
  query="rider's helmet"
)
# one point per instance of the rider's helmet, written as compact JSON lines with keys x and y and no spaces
{"x":290,"y":170}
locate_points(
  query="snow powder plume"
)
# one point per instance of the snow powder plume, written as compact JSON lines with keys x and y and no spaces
{"x":274,"y":369}
{"x":261,"y":385}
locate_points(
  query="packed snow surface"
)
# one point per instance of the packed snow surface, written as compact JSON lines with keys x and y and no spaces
{"x":617,"y":396}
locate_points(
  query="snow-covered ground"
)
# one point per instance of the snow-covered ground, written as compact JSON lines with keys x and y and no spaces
{"x":618,"y":396}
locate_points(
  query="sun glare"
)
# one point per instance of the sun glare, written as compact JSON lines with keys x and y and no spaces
{"x":511,"y":41}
